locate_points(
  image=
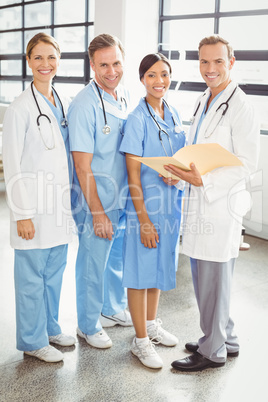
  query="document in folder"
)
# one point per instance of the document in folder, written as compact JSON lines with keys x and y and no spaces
{"x":206,"y":157}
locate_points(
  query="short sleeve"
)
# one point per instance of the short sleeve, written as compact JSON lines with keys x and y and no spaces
{"x":133,"y":140}
{"x":82,"y":123}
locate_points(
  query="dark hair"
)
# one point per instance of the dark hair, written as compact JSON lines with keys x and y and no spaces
{"x":213,"y":40}
{"x":149,"y":60}
{"x":101,"y":42}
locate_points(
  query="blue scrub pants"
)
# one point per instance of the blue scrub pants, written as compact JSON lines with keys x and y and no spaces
{"x":99,"y":270}
{"x":212,"y":284}
{"x":38,"y":279}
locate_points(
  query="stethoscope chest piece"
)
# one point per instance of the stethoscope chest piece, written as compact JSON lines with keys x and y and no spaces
{"x":64,"y":123}
{"x":106,"y":129}
{"x":178,"y":129}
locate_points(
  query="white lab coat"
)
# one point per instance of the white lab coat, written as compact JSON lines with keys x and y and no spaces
{"x":37,"y":179}
{"x":214,"y":212}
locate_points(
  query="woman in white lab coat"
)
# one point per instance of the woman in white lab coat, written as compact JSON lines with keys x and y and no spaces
{"x":36,"y":165}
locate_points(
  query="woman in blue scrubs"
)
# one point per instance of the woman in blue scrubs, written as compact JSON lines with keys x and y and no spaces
{"x":153,"y":209}
{"x":36,"y":163}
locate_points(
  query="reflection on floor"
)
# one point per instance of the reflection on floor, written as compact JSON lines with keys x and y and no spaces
{"x":89,"y":374}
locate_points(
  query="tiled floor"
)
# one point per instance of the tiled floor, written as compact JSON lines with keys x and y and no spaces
{"x":89,"y":374}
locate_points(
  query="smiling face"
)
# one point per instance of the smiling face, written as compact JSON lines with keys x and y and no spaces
{"x":107,"y":64}
{"x":156,"y":80}
{"x":44,"y":62}
{"x":215,"y":66}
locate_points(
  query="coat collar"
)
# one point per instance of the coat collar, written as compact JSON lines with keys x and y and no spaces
{"x":44,"y":107}
{"x":211,"y":113}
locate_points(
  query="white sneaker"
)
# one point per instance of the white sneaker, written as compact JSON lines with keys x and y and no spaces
{"x":47,"y":353}
{"x":99,"y":340}
{"x":62,"y":340}
{"x":159,"y":335}
{"x":146,"y":354}
{"x":123,"y":318}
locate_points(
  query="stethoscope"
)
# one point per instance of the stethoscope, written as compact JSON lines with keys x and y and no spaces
{"x":106,"y":128}
{"x":223,"y":107}
{"x":64,"y":121}
{"x":177,"y":129}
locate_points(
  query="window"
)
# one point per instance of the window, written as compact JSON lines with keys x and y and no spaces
{"x":38,"y":14}
{"x":72,"y":27}
{"x":181,"y":29}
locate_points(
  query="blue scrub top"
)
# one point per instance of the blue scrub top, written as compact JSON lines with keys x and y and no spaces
{"x":141,"y":138}
{"x":86,"y":121}
{"x":57,"y":111}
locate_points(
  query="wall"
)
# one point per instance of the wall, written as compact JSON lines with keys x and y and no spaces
{"x":256,"y":221}
{"x":3,"y":108}
{"x":135,"y":23}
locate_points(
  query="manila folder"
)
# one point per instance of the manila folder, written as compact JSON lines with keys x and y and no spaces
{"x":206,"y":157}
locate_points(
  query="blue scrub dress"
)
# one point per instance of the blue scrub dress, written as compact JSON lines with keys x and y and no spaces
{"x":146,"y":268}
{"x":38,"y":279}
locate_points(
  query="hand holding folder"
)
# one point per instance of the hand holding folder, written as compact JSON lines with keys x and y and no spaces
{"x":206,"y":157}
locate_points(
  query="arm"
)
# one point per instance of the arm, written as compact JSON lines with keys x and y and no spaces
{"x":19,"y":200}
{"x":243,"y":127}
{"x":101,"y":223}
{"x":245,"y":133}
{"x":148,"y":233}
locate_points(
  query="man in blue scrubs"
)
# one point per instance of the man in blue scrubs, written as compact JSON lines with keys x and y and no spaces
{"x":97,"y":117}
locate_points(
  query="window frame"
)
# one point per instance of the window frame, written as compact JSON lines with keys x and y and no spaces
{"x":24,"y":78}
{"x":241,"y":55}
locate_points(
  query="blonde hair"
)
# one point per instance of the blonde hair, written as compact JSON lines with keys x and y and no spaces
{"x":213,"y":40}
{"x":41,"y":37}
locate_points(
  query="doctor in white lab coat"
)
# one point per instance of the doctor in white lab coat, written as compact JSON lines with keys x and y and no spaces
{"x":216,"y":202}
{"x":37,"y":175}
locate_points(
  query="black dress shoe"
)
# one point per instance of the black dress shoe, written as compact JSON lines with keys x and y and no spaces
{"x":193,"y":346}
{"x":195,"y":362}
